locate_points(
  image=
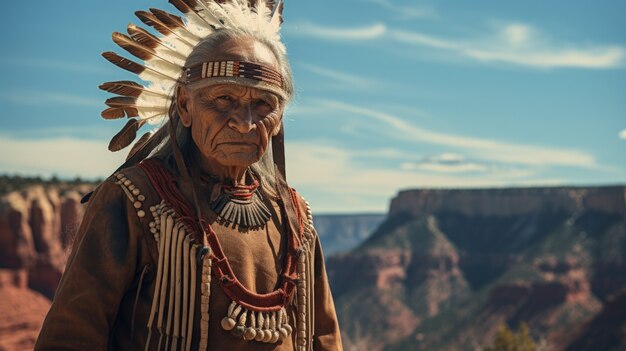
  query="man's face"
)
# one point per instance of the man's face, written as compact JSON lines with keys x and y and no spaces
{"x":231,"y":124}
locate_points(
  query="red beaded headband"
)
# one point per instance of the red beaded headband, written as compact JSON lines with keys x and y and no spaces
{"x":217,"y":69}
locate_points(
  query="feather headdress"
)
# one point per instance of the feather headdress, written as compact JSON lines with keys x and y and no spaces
{"x":164,"y":54}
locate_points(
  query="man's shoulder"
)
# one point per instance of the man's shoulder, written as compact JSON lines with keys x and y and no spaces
{"x":139,"y":183}
{"x":129,"y":187}
{"x":134,"y":175}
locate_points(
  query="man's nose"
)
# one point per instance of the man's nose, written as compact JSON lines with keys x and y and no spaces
{"x":242,"y":120}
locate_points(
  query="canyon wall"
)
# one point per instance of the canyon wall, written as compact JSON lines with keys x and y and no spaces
{"x":447,"y":267}
{"x":440,"y":272}
{"x":37,"y":225}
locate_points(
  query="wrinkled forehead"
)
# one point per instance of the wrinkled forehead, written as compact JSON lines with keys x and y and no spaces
{"x":237,"y":90}
{"x":243,"y":49}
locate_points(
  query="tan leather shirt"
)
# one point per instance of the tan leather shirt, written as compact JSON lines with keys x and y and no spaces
{"x":104,"y":298}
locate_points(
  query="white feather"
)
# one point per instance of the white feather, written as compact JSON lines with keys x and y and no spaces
{"x":275,"y":20}
{"x":223,"y":12}
{"x":198,"y":25}
{"x":163,"y":72}
{"x":150,"y":100}
{"x":207,"y":14}
{"x":153,"y":92}
{"x":202,"y":23}
{"x":187,"y":36}
{"x":152,"y":116}
{"x":261,"y":14}
{"x":177,"y":44}
{"x":150,"y":111}
{"x":157,"y":78}
{"x":167,"y":68}
{"x":161,"y":87}
{"x":169,"y":55}
{"x":237,"y":14}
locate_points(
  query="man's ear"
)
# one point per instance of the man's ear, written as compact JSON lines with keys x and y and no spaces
{"x":183,"y":105}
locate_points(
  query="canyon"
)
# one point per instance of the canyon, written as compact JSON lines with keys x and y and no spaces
{"x":447,"y":267}
{"x":441,"y":271}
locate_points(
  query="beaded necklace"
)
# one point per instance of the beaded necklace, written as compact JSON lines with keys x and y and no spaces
{"x":240,"y":205}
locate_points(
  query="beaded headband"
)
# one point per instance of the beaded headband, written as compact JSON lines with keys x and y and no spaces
{"x":164,"y":56}
{"x":239,"y":72}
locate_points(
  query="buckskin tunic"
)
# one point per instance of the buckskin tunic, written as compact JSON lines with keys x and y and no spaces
{"x":104,"y":300}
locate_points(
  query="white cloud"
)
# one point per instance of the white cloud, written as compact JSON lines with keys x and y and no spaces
{"x":447,"y":157}
{"x":622,"y":134}
{"x":424,"y":39}
{"x":465,"y":167}
{"x":351,"y":80}
{"x":39,"y":98}
{"x":373,"y":31}
{"x":517,"y":34}
{"x":407,"y":12}
{"x":332,"y":179}
{"x":65,"y":157}
{"x":512,"y":43}
{"x":457,"y":164}
{"x":521,"y":44}
{"x":446,"y":163}
{"x":494,"y":150}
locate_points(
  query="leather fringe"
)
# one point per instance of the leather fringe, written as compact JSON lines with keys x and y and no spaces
{"x":173,"y":302}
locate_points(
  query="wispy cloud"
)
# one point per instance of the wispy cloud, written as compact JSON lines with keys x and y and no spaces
{"x":622,"y":134}
{"x":494,"y":150}
{"x":446,"y":163}
{"x":373,"y":31}
{"x":97,"y":132}
{"x":450,"y":163}
{"x":66,"y":157}
{"x":407,"y":12}
{"x":333,"y":179}
{"x":351,"y":80}
{"x":39,"y":98}
{"x":511,"y":43}
{"x":520,"y":44}
{"x":60,"y":65}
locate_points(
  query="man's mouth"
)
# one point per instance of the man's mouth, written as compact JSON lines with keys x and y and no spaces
{"x":237,"y":143}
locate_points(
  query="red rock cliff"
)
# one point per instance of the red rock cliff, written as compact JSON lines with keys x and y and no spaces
{"x":36,"y":227}
{"x":510,"y":201}
{"x":455,"y":264}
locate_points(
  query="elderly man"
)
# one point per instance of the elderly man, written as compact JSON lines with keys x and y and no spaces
{"x":197,"y":242}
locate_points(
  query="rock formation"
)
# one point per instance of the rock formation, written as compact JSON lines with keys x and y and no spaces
{"x":442,"y":271}
{"x":36,"y":227}
{"x":455,"y":264}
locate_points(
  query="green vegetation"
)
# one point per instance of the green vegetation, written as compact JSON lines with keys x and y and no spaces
{"x":508,"y":340}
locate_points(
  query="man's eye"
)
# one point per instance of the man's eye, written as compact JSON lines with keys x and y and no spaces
{"x":223,"y":102}
{"x":264,"y":104}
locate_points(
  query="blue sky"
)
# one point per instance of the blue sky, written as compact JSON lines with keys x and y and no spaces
{"x":391,"y":94}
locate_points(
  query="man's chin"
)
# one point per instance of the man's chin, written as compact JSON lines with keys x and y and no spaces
{"x":238,"y":159}
{"x":237,"y":149}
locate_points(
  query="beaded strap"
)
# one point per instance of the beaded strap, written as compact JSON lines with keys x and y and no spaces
{"x":305,"y":286}
{"x":132,"y":193}
{"x":240,"y":69}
